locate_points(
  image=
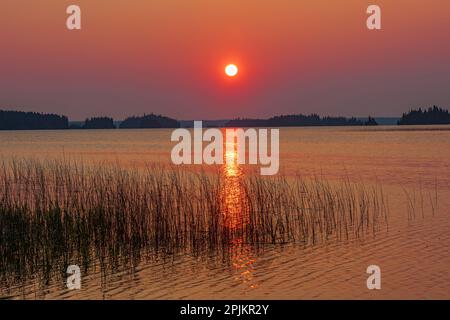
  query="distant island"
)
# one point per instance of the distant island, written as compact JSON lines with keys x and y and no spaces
{"x":149,"y":121}
{"x":434,"y":115}
{"x":299,"y":120}
{"x":99,"y":123}
{"x":20,"y":120}
{"x":95,"y":123}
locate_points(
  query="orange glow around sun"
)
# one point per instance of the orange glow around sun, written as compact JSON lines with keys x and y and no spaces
{"x":231,"y":70}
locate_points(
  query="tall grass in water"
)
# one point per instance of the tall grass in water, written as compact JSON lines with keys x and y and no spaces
{"x":57,"y":212}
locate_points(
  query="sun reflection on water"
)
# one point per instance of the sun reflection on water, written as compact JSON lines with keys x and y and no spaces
{"x":236,"y":218}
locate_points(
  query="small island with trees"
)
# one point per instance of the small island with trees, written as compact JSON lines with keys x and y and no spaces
{"x":19,"y":120}
{"x":434,"y":115}
{"x":99,"y":123}
{"x":149,"y":121}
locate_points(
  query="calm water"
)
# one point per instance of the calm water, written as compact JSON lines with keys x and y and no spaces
{"x":412,"y":164}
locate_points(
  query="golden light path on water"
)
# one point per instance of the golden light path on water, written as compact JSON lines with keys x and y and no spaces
{"x":236,"y":218}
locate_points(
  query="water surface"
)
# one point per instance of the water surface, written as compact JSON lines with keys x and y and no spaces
{"x":411,"y":163}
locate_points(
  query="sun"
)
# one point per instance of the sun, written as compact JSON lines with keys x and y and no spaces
{"x":231,"y":70}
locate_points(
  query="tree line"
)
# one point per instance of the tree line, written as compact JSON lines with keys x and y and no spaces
{"x":300,"y":120}
{"x":434,"y":115}
{"x":19,"y":120}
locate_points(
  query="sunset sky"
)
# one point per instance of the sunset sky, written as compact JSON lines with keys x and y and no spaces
{"x":168,"y":57}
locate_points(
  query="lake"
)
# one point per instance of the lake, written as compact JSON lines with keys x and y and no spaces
{"x":412,"y":164}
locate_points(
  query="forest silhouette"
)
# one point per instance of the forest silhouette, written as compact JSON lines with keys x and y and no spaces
{"x":20,"y":120}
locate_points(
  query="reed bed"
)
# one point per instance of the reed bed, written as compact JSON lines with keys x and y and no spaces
{"x":57,"y":212}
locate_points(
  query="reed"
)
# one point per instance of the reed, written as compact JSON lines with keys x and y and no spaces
{"x":55,"y":212}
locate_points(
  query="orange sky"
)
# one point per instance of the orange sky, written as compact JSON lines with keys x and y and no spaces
{"x":168,"y":57}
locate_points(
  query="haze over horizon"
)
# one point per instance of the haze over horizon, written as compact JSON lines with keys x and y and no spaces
{"x":168,"y":58}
